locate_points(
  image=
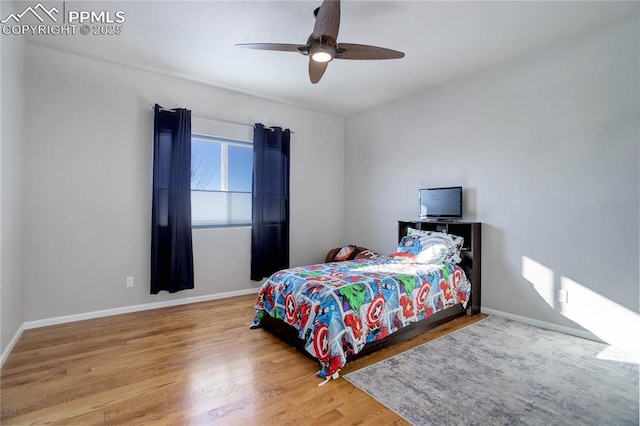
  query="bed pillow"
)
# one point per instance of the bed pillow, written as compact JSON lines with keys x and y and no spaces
{"x":457,"y":240}
{"x":367,"y":254}
{"x":344,"y":253}
{"x":431,"y":247}
{"x":349,"y":252}
{"x":423,"y":249}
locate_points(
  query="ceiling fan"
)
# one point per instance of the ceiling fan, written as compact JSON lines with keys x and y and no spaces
{"x":322,"y":45}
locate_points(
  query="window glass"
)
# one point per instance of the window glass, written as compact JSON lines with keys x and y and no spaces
{"x":205,"y":164}
{"x":221,"y":175}
{"x":240,"y":168}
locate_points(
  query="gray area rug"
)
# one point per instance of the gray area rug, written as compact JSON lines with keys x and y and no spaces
{"x":503,"y":372}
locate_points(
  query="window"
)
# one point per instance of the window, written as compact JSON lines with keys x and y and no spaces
{"x":221,"y":174}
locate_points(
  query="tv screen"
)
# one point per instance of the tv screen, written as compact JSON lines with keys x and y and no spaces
{"x":441,"y":202}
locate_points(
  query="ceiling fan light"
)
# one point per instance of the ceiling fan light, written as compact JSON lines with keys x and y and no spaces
{"x":321,"y":56}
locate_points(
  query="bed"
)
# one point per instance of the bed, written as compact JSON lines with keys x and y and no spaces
{"x":336,"y":311}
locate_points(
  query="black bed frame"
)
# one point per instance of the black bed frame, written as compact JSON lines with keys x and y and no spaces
{"x":289,"y":334}
{"x":471,"y":264}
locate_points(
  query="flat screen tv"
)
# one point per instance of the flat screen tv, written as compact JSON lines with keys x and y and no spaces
{"x":441,"y":203}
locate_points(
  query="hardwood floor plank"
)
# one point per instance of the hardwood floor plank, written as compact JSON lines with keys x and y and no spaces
{"x":189,"y":364}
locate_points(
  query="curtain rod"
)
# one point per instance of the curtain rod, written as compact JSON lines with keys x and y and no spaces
{"x":222,"y":120}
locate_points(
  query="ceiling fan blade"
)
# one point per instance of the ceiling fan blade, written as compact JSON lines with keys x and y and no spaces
{"x":362,"y":51}
{"x":273,"y":46}
{"x":316,"y":70}
{"x":327,"y":21}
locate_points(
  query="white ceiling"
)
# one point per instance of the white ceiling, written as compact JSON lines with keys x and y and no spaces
{"x":442,"y":41}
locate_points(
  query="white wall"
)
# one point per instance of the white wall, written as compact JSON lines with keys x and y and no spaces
{"x":547,"y":148}
{"x":11,"y":143}
{"x":87,"y":184}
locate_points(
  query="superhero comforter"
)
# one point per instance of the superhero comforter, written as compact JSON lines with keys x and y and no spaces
{"x":337,"y":308}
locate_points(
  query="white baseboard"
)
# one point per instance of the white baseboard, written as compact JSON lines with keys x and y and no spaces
{"x":147,"y":306}
{"x":11,"y":345}
{"x":542,"y":324}
{"x":135,"y":308}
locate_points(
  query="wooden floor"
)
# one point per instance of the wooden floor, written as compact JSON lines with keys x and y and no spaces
{"x":190,"y":364}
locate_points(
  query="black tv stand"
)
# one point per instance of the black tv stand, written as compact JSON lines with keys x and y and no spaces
{"x":471,"y":249}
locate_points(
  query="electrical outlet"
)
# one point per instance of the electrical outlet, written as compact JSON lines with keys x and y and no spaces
{"x":129,"y":281}
{"x":563,"y":296}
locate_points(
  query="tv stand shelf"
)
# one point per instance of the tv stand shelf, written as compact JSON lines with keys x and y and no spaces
{"x":471,"y":250}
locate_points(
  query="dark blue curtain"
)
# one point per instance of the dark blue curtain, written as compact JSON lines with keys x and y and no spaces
{"x":270,"y":201}
{"x":171,"y":246}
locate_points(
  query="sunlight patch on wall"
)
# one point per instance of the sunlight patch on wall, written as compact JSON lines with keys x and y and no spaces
{"x":541,"y":277}
{"x":606,"y":319}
